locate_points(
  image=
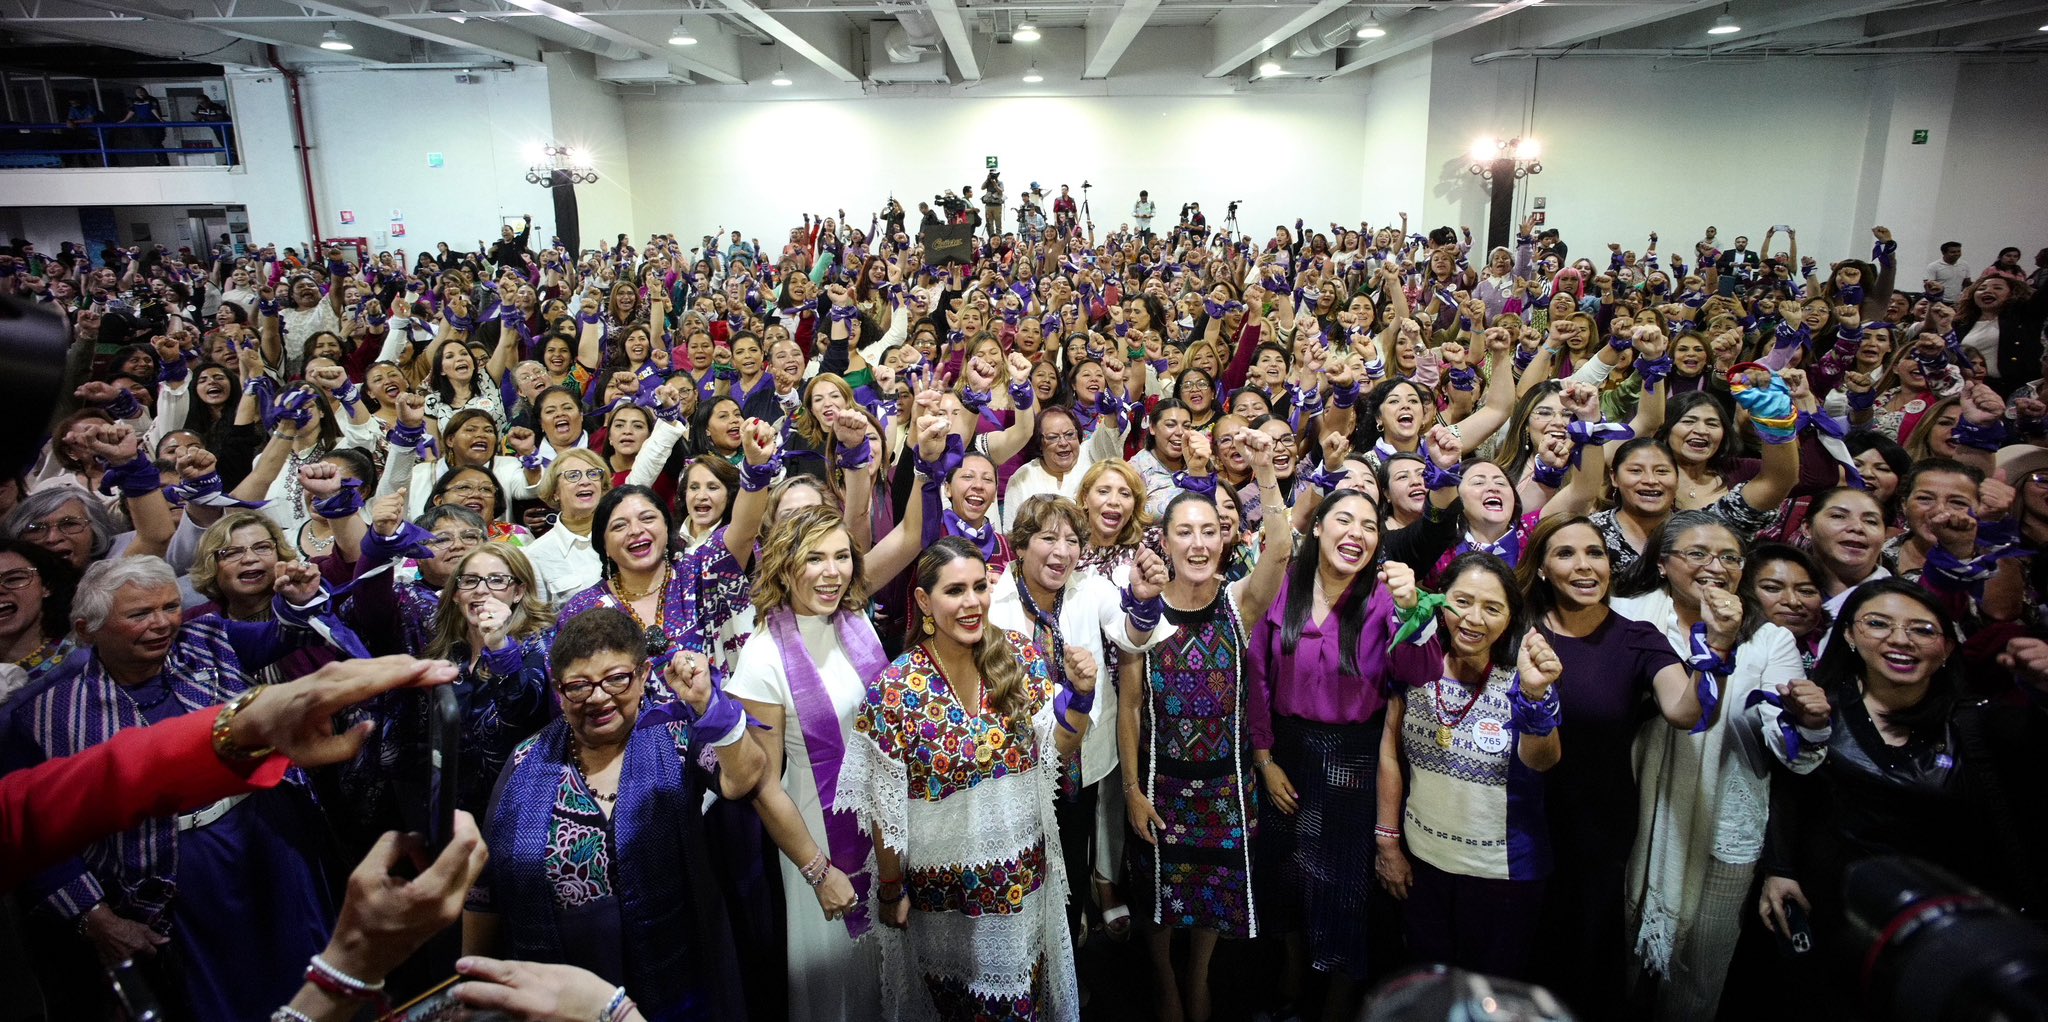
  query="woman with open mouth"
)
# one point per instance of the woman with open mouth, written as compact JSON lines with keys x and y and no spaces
{"x":1898,"y":777}
{"x":685,"y":599}
{"x":1165,"y":454}
{"x":1700,"y":431}
{"x":479,"y":492}
{"x":416,"y":463}
{"x":35,"y":614}
{"x":956,"y":754}
{"x":1316,"y":662}
{"x":803,"y":675}
{"x":1471,"y":729}
{"x":235,"y":568}
{"x":1613,"y":666}
{"x":456,"y":382}
{"x":1050,"y":594}
{"x":1710,"y":792}
{"x":1113,"y":498}
{"x":565,"y":558}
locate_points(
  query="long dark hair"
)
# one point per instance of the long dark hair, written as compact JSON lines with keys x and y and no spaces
{"x":1509,"y":645}
{"x":1723,"y":458}
{"x":700,"y":424}
{"x":1840,"y":668}
{"x":1368,"y":431}
{"x":58,"y":579}
{"x":1301,"y":587}
{"x":1644,"y":574}
{"x":608,"y":505}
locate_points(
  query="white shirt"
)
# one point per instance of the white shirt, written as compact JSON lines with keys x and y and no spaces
{"x":1092,"y":608}
{"x":301,"y":324}
{"x":564,"y":562}
{"x":1983,"y":339}
{"x":1950,"y":276}
{"x":1033,"y":479}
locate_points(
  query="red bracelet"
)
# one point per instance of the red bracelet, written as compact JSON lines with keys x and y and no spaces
{"x":340,"y":984}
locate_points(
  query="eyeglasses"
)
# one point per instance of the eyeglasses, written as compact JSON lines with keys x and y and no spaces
{"x":467,"y":537}
{"x":18,"y":579}
{"x":580,"y":475}
{"x":2037,"y":479}
{"x":63,"y":526}
{"x":469,"y":490}
{"x":581,"y":691}
{"x":1699,"y":556}
{"x":495,"y":582}
{"x":1877,"y":627}
{"x":1061,"y":438}
{"x":236,"y":553}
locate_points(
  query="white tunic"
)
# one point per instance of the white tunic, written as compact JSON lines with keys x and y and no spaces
{"x":831,"y":976}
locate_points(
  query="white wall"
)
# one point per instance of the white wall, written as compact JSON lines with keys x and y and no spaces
{"x":1396,"y":117}
{"x":371,"y":133}
{"x":1991,"y":194}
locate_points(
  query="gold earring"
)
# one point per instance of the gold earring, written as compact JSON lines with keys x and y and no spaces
{"x":929,"y":628}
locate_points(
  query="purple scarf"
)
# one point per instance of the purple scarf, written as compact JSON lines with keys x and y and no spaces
{"x":846,"y":840}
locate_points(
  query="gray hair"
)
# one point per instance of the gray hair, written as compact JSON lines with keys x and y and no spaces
{"x":93,"y":602}
{"x":433,"y":515}
{"x":47,"y":501}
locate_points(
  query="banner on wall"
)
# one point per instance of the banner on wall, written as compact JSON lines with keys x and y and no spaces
{"x":398,"y":230}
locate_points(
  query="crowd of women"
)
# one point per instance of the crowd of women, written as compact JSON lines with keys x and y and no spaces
{"x":842,"y":636}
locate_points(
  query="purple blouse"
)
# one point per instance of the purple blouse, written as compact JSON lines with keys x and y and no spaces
{"x":1310,"y":682}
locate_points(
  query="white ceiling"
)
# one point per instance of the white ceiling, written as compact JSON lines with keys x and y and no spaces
{"x":835,"y":36}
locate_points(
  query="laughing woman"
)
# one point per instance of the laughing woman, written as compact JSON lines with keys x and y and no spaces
{"x":1461,"y":772}
{"x":956,"y":756}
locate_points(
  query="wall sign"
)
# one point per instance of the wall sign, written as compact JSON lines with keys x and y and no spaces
{"x":348,"y":216}
{"x":1920,"y":136}
{"x":435,"y":161}
{"x":991,"y":163}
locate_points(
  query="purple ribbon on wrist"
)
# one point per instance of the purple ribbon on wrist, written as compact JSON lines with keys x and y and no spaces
{"x":1712,"y":667}
{"x":1547,"y":474}
{"x":1144,"y":614}
{"x":1534,"y":718}
{"x":1654,"y":370}
{"x":856,"y":456}
{"x":1022,"y":395}
{"x":1202,"y":484}
{"x":1069,"y":700}
{"x":345,"y":502}
{"x":1436,"y":478}
{"x":1583,"y":433}
{"x":135,"y":478}
{"x":295,"y":407}
{"x":1788,"y":729}
{"x":413,"y":438}
{"x":1985,"y":437}
{"x":1466,"y":379}
{"x":755,"y":478}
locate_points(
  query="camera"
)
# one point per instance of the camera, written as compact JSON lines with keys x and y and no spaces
{"x":1935,"y":947}
{"x":1233,"y":207}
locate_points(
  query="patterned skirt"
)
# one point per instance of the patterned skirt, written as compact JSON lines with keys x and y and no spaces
{"x":1316,"y":863}
{"x":1199,"y":778}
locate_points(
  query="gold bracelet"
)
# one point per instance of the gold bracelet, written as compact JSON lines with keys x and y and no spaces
{"x":224,"y":744}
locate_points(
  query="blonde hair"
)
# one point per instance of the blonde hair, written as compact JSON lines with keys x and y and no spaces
{"x":530,"y":615}
{"x":772,"y":513}
{"x":807,"y":425}
{"x":553,"y":479}
{"x":1135,"y":524}
{"x":782,"y":556}
{"x":206,"y":571}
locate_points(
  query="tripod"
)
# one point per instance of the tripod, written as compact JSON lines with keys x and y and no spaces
{"x":1087,"y":215}
{"x":1230,"y":219}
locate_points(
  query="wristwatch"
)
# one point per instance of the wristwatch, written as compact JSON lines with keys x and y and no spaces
{"x":224,"y":744}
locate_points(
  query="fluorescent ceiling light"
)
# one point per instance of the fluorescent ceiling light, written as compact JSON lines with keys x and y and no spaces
{"x":1270,"y":68}
{"x":681,"y":36}
{"x":332,"y":40}
{"x":1025,"y":33}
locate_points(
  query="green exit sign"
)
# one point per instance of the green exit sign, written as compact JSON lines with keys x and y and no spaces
{"x":1920,"y":136}
{"x":992,"y":160}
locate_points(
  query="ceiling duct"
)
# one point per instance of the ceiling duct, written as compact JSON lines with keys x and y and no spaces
{"x":577,"y":39}
{"x":913,"y":36}
{"x":1320,"y":39}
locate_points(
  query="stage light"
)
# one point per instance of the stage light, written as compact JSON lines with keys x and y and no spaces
{"x":681,"y":36}
{"x":1528,"y":149}
{"x":781,"y":77}
{"x":332,"y":40}
{"x":1486,"y":149}
{"x":1026,"y":31}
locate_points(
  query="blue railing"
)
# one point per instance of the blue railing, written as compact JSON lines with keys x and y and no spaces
{"x":90,"y":145}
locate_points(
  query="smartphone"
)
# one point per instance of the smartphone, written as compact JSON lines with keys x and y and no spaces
{"x":1781,"y":228}
{"x":137,"y":1001}
{"x":1799,"y":942}
{"x":439,"y":1005}
{"x":444,"y":761}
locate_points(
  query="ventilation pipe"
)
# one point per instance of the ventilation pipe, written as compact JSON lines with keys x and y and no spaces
{"x":915,"y":34}
{"x":1319,"y":39}
{"x":577,"y":39}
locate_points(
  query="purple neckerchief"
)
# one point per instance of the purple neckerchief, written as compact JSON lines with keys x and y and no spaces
{"x":846,"y":840}
{"x":741,"y":393}
{"x":984,"y":538}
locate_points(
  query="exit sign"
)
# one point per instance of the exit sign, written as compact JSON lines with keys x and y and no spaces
{"x":1920,"y":136}
{"x":992,"y":160}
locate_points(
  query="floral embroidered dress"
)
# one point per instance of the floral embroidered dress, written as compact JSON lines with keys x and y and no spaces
{"x":966,"y":798}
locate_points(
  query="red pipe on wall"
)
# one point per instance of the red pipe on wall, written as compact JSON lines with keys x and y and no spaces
{"x":291,"y":85}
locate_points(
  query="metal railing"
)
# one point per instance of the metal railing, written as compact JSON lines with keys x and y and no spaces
{"x":89,"y":144}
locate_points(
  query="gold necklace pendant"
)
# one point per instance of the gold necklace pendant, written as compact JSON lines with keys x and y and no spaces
{"x":1444,"y":735}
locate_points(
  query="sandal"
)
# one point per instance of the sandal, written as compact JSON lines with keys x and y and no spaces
{"x":1116,"y":921}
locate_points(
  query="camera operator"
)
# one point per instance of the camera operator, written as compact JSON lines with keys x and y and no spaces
{"x":892,"y":214}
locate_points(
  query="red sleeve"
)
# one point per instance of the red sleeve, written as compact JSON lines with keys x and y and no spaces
{"x":359,"y":360}
{"x":50,"y":811}
{"x":1241,"y":361}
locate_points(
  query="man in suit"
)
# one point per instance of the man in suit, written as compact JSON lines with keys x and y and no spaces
{"x":1739,"y":259}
